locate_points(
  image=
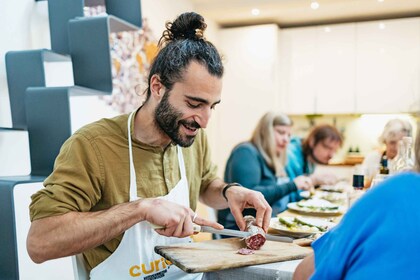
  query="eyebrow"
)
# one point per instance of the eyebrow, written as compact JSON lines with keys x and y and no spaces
{"x":202,"y":100}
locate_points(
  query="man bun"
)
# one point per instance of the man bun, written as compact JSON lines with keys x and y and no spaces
{"x":187,"y":26}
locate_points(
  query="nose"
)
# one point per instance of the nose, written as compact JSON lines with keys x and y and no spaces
{"x":203,"y":117}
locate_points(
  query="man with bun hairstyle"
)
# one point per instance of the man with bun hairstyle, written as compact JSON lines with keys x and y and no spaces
{"x":115,"y":180}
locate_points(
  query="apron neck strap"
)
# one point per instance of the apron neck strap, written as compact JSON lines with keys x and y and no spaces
{"x":181,"y":162}
{"x":133,"y":184}
{"x":133,"y":179}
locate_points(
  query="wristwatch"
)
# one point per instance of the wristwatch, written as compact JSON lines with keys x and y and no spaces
{"x":225,"y":188}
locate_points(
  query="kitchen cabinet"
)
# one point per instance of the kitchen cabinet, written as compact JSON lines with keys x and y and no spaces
{"x":250,"y":83}
{"x":317,"y":69}
{"x":388,"y":66}
{"x":366,"y":67}
{"x":297,"y":61}
{"x":334,"y":73}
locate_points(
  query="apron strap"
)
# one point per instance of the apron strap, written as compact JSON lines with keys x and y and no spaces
{"x":133,"y":180}
{"x":181,"y":162}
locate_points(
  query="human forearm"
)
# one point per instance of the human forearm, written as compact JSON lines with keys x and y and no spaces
{"x":305,"y":269}
{"x":275,"y":192}
{"x":212,"y":196}
{"x":75,"y":232}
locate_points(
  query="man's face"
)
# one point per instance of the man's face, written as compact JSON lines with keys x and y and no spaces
{"x":187,"y":107}
{"x":324,"y":150}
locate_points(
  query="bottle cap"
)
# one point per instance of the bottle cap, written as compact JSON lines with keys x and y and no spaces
{"x":358,"y":181}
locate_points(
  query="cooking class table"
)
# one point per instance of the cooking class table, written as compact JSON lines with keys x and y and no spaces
{"x":278,"y":270}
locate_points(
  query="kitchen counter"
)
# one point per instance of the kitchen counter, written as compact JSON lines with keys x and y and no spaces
{"x":278,"y":270}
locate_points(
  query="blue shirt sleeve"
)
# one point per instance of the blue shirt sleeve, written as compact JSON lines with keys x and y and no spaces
{"x":295,"y":159}
{"x":376,"y":238}
{"x":247,"y":167}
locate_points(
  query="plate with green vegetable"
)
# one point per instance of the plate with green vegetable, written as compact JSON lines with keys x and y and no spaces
{"x":299,"y":226}
{"x":316,"y":206}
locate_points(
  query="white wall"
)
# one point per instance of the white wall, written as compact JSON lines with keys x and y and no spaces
{"x":23,"y":26}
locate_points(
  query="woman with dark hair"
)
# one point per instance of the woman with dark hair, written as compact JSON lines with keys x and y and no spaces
{"x":303,"y":155}
{"x":259,"y":164}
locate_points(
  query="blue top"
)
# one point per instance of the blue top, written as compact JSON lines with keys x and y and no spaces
{"x":377,"y":238}
{"x":297,"y":165}
{"x":247,"y":167}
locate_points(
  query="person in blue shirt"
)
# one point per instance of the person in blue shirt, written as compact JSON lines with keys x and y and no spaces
{"x":318,"y":147}
{"x":376,"y":238}
{"x":259,"y":165}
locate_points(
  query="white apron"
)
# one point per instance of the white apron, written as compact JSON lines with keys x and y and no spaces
{"x":135,"y":258}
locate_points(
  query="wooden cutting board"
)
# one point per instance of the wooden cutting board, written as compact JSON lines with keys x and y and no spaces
{"x":222,"y":254}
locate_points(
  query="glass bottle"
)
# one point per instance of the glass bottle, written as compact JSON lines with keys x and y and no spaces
{"x":357,"y":192}
{"x":384,"y":166}
{"x":404,"y":160}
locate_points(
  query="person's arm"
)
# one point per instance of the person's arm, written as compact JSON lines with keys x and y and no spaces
{"x":305,"y":269}
{"x":75,"y":232}
{"x":323,"y":179}
{"x":238,"y":198}
{"x":245,"y":167}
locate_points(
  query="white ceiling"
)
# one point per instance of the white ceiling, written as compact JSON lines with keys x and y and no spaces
{"x":289,"y":13}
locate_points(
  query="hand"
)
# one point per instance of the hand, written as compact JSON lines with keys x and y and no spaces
{"x":176,"y":220}
{"x":323,"y":179}
{"x":303,"y":183}
{"x":240,"y":198}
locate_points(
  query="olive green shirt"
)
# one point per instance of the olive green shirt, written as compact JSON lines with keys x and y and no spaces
{"x":92,"y":173}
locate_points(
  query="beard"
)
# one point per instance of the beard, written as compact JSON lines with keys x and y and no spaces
{"x":169,"y":121}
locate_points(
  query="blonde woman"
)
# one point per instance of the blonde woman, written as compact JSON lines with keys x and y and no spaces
{"x":259,"y":165}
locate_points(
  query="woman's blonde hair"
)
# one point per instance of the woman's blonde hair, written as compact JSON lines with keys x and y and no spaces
{"x":393,"y":129}
{"x":263,"y":139}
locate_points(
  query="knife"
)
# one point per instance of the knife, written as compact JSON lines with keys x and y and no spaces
{"x":237,"y":233}
{"x":231,"y":232}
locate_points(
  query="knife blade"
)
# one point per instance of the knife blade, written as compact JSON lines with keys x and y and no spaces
{"x":237,"y":233}
{"x":231,"y":232}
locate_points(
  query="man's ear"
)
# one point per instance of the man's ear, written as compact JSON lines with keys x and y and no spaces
{"x":157,"y":89}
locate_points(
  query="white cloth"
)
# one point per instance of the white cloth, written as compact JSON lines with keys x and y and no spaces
{"x":135,"y":257}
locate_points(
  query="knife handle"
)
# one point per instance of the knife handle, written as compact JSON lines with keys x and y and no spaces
{"x":196,"y":228}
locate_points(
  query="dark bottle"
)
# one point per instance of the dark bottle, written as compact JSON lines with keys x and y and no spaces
{"x":358,"y":182}
{"x":384,"y":166}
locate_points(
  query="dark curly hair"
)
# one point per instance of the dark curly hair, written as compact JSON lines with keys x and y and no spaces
{"x":319,"y":134}
{"x":182,"y":42}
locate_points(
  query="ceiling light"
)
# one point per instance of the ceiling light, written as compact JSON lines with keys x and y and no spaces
{"x":314,"y":5}
{"x":327,"y":29}
{"x":380,"y":1}
{"x":255,"y":12}
{"x":382,"y":25}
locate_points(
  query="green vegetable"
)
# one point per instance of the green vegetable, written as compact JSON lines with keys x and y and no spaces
{"x":288,"y":224}
{"x":299,"y":221}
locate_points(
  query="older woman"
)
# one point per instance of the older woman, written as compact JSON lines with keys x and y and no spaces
{"x":393,"y":132}
{"x":259,"y":164}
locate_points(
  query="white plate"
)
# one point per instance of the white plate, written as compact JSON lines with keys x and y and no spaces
{"x":276,"y":227}
{"x":330,"y":196}
{"x":305,"y":194}
{"x":332,"y":188}
{"x":295,"y":207}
